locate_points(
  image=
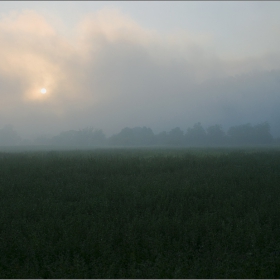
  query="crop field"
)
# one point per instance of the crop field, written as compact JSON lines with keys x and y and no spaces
{"x":140,"y":213}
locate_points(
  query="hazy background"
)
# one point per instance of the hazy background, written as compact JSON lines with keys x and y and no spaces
{"x":111,"y":65}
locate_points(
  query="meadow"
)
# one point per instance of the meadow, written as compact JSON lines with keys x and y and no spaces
{"x":140,"y":213}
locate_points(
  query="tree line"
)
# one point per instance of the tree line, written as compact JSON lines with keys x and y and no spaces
{"x":245,"y":134}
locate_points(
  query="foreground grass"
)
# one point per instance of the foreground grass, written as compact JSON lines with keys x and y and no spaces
{"x":140,"y":214}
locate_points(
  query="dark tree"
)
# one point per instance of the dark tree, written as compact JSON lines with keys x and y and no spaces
{"x":248,"y":134}
{"x":65,"y":138}
{"x":143,"y":136}
{"x":262,"y":133}
{"x":137,"y":136}
{"x":216,"y":135}
{"x":176,"y":137}
{"x":162,"y":138}
{"x":84,"y":137}
{"x":196,"y":136}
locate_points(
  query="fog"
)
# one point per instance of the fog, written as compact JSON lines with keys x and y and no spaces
{"x":110,"y":72}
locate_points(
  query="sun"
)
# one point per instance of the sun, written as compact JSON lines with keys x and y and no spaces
{"x":43,"y":90}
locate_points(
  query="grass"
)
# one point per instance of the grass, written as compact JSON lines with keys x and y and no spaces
{"x":140,"y":213}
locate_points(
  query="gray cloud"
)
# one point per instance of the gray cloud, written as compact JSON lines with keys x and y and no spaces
{"x":112,"y":73}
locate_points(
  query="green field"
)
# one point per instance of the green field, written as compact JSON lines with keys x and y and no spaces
{"x":140,"y":213}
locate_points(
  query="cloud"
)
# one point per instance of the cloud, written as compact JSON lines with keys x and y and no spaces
{"x":113,"y":73}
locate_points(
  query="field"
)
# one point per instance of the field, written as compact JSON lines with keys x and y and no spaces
{"x":140,"y":213}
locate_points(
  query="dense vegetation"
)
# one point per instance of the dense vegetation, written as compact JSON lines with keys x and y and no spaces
{"x":140,"y":214}
{"x":214,"y":135}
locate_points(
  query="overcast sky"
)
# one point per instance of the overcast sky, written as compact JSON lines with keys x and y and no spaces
{"x":109,"y":65}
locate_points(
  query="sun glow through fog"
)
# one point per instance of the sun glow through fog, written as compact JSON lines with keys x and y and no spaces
{"x":43,"y":90}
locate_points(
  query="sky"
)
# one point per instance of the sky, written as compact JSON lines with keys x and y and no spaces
{"x":162,"y":64}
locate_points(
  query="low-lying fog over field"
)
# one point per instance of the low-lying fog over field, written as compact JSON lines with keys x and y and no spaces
{"x":111,"y":65}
